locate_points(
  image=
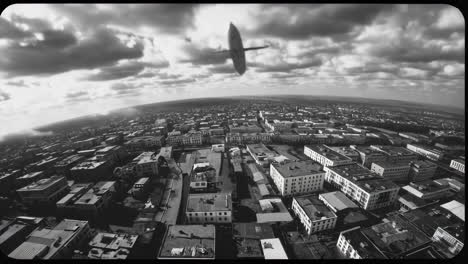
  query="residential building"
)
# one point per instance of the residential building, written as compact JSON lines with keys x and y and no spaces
{"x":313,"y":213}
{"x":53,"y":243}
{"x":95,"y":201}
{"x":209,"y":208}
{"x":14,"y":232}
{"x":421,"y":170}
{"x":354,"y":245}
{"x":29,"y":178}
{"x":452,"y":183}
{"x":273,"y":249}
{"x":45,"y":192}
{"x":394,"y":171}
{"x":396,"y":154}
{"x":111,"y":246}
{"x":295,"y":177}
{"x":192,"y":138}
{"x":188,"y":242}
{"x":430,"y":153}
{"x":458,"y":164}
{"x":144,"y":143}
{"x":368,"y":155}
{"x":325,"y":155}
{"x":261,"y":154}
{"x":146,"y":165}
{"x":140,"y":188}
{"x":91,"y":171}
{"x":452,"y":236}
{"x":165,"y":152}
{"x":113,"y":154}
{"x":347,"y":151}
{"x":367,"y":189}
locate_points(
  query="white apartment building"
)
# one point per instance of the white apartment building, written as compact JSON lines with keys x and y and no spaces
{"x":296,"y":177}
{"x":429,"y":153}
{"x":367,"y":189}
{"x":313,"y":214}
{"x":209,"y":208}
{"x":325,"y":155}
{"x":458,"y":164}
{"x":394,"y":171}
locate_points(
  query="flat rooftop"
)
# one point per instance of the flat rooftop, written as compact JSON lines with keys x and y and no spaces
{"x":389,"y":164}
{"x":42,"y":184}
{"x":363,"y":177}
{"x":273,"y":249}
{"x":248,"y":236}
{"x":69,"y":160}
{"x":425,"y":187}
{"x":88,"y":165}
{"x":10,"y":231}
{"x":368,"y":151}
{"x":345,"y":151}
{"x":93,"y":195}
{"x":393,"y":150}
{"x":314,"y":208}
{"x":113,"y":241}
{"x":338,"y":200}
{"x":327,"y":152}
{"x":31,"y":175}
{"x":208,"y":156}
{"x":363,"y":245}
{"x":427,"y":148}
{"x":298,"y":168}
{"x":209,"y":202}
{"x":423,"y":164}
{"x":189,"y":241}
{"x":146,"y":157}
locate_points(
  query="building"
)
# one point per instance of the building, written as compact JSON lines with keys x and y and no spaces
{"x":453,"y":237}
{"x":430,"y":153}
{"x":364,"y":187}
{"x":396,"y":154}
{"x":452,"y":183}
{"x":248,"y":138}
{"x":91,"y":171}
{"x":273,"y":210}
{"x":347,"y":151}
{"x":313,"y":214}
{"x":111,"y":246}
{"x":144,"y":143}
{"x":29,"y":178}
{"x":14,"y":232}
{"x":336,"y":201}
{"x":394,"y":171}
{"x":418,"y":138}
{"x":188,"y":242}
{"x":174,"y":139}
{"x":354,"y":245}
{"x":140,"y":188}
{"x":297,"y":177}
{"x":192,"y":138}
{"x":146,"y":165}
{"x":112,"y":154}
{"x":217,"y":148}
{"x":64,"y":166}
{"x":46,"y":165}
{"x":53,"y":243}
{"x":209,"y":208}
{"x":368,"y":155}
{"x":235,"y":128}
{"x":325,"y":155}
{"x":8,"y":182}
{"x":95,"y":201}
{"x":421,"y":170}
{"x":165,"y":152}
{"x":261,"y":154}
{"x":247,"y":237}
{"x":456,"y":208}
{"x":45,"y":192}
{"x":273,"y":249}
{"x":458,"y":164}
{"x":427,"y":190}
{"x":87,"y":143}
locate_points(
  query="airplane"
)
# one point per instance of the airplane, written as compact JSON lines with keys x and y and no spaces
{"x":237,"y":50}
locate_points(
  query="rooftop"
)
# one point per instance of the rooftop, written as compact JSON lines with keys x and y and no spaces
{"x":298,"y":168}
{"x":189,"y":241}
{"x":69,"y":160}
{"x":113,"y":241}
{"x":146,"y":157}
{"x":362,"y":245}
{"x":88,"y":165}
{"x":455,"y":208}
{"x":209,"y":202}
{"x":393,"y":150}
{"x":31,"y":175}
{"x":423,"y":164}
{"x":94,"y":194}
{"x":273,"y":249}
{"x":107,"y":149}
{"x":329,"y":153}
{"x":314,"y":208}
{"x":363,"y":177}
{"x":273,"y":210}
{"x":368,"y":150}
{"x":248,"y":236}
{"x":338,"y":200}
{"x":10,"y":231}
{"x":425,"y":187}
{"x":344,"y":150}
{"x":43,"y":184}
{"x":76,"y":191}
{"x":391,"y":164}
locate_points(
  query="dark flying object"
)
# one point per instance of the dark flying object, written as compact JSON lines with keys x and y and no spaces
{"x":237,"y":50}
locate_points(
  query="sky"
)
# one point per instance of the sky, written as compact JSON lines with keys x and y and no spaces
{"x":61,"y":61}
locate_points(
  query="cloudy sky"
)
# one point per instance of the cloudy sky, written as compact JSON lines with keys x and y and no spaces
{"x":63,"y":61}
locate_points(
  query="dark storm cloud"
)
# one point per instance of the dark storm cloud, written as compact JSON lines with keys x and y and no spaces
{"x":4,"y":96}
{"x":322,"y":21}
{"x":286,"y":67}
{"x":60,"y":51}
{"x":203,"y":56}
{"x":10,"y":31}
{"x":123,"y":71}
{"x":166,"y":18}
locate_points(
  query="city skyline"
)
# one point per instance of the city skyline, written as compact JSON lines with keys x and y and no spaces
{"x":62,"y":61}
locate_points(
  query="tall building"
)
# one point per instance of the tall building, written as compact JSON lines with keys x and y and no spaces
{"x":313,"y":213}
{"x":53,"y":243}
{"x":297,"y":177}
{"x":326,"y":156}
{"x":367,"y":189}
